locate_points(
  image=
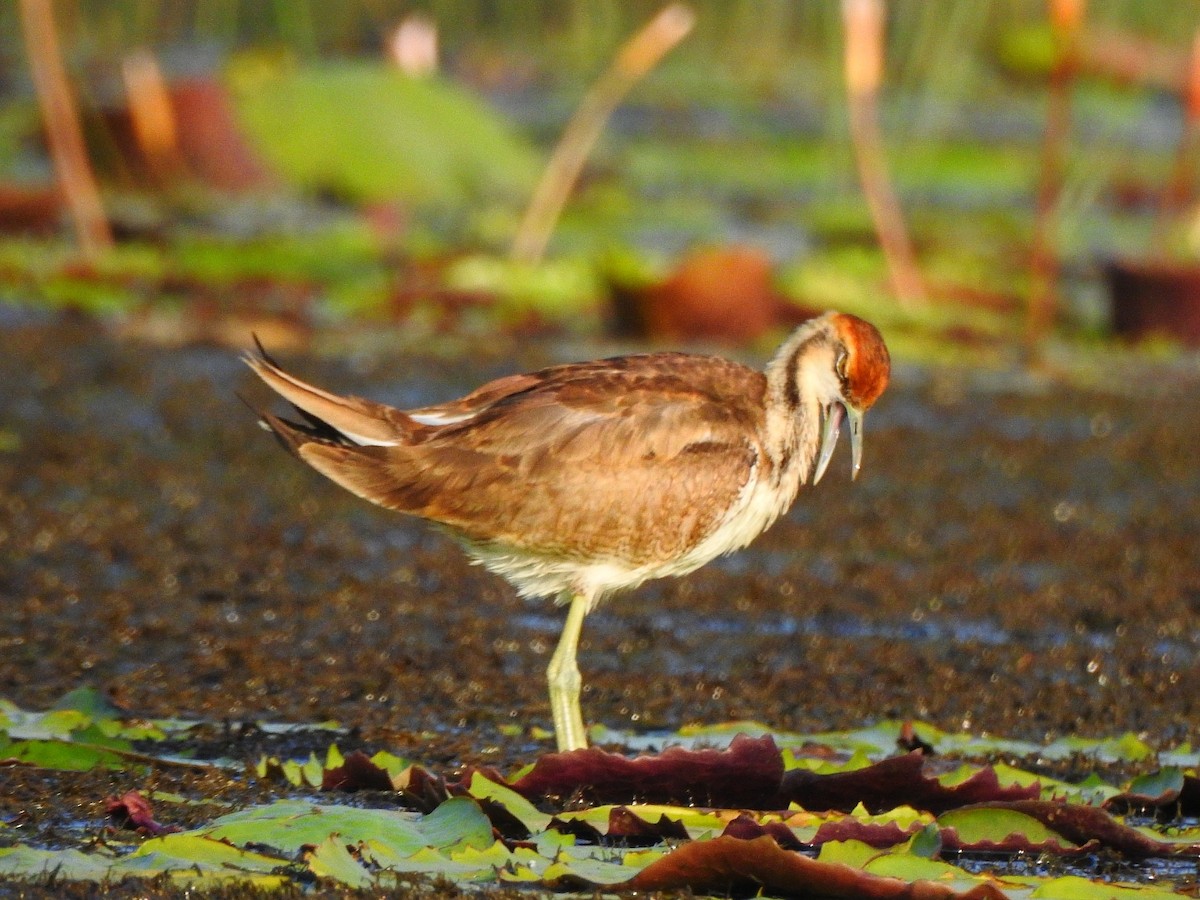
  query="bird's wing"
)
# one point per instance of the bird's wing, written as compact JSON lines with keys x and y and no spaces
{"x":578,"y":458}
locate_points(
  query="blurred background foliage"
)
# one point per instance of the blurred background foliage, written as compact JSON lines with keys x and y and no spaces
{"x":350,"y":190}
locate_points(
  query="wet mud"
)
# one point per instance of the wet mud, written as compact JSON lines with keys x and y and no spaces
{"x":1017,"y":558}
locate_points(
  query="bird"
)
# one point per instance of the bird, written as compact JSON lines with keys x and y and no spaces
{"x":587,"y":478}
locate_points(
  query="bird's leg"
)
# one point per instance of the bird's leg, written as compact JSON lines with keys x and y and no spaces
{"x":565,"y":682}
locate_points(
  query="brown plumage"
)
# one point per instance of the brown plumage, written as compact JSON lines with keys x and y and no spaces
{"x":586,"y":478}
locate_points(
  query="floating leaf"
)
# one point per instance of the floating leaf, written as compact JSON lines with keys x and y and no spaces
{"x":895,"y":782}
{"x":483,"y":788}
{"x":728,"y":865}
{"x":426,"y":140}
{"x":1081,"y":824}
{"x":67,"y":865}
{"x":457,"y":824}
{"x":1124,"y":748}
{"x":886,"y":829}
{"x":62,"y":755}
{"x":331,"y":859}
{"x":698,"y":823}
{"x":197,"y":852}
{"x":290,"y":824}
{"x":1072,"y":887}
{"x":1161,"y":788}
{"x":357,"y":772}
{"x":89,"y":702}
{"x":746,"y":828}
{"x":998,"y":828}
{"x":747,"y":774}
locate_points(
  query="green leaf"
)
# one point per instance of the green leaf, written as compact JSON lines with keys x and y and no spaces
{"x":370,"y":133}
{"x":855,"y":854}
{"x":63,"y":755}
{"x":578,"y":863}
{"x":926,"y":843}
{"x":90,"y":702}
{"x":59,"y":723}
{"x":1072,"y":887}
{"x":191,"y":850}
{"x":483,"y":788}
{"x":290,"y":824}
{"x":1125,"y":748}
{"x":457,"y":824}
{"x":978,"y":825}
{"x":1164,"y":782}
{"x":331,"y":859}
{"x":391,"y":763}
{"x":69,"y":865}
{"x":910,"y":867}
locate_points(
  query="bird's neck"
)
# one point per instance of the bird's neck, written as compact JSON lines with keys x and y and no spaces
{"x":800,"y":382}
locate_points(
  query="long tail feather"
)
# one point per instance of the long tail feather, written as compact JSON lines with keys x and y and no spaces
{"x":360,"y":421}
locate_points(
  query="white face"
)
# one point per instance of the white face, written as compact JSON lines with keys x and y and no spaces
{"x":818,"y":376}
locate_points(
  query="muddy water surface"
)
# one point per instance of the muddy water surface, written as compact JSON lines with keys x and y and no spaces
{"x":1019,"y":557}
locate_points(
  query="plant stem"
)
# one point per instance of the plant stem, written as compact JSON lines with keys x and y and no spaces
{"x":637,"y":56}
{"x":63,"y":130}
{"x":863,"y":22}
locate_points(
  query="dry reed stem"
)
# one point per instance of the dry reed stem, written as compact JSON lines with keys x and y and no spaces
{"x":1066,"y":20}
{"x":863,"y":21}
{"x":63,"y":131}
{"x":152,"y":115}
{"x":637,"y":56}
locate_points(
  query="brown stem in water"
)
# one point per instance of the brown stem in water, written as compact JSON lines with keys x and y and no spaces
{"x":63,"y":130}
{"x":1066,"y":17}
{"x":863,"y":21}
{"x":639,"y":55}
{"x":152,"y":115}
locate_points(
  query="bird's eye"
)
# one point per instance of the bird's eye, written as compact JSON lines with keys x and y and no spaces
{"x":839,"y":363}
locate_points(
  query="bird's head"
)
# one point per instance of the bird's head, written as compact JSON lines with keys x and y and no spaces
{"x":839,"y":363}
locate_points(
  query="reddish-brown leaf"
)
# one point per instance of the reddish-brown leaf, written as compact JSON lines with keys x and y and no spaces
{"x":873,"y":834}
{"x":633,"y":830}
{"x":357,"y":773}
{"x":730,"y":866}
{"x":421,"y":789}
{"x":746,"y":828}
{"x":132,"y":810}
{"x":747,"y":774}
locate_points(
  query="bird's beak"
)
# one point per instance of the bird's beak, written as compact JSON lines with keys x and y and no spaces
{"x":830,"y":430}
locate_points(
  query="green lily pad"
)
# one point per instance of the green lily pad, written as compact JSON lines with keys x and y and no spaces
{"x":483,"y":788}
{"x":983,"y":825}
{"x":189,"y":850}
{"x":63,"y":755}
{"x":1073,"y":887}
{"x":67,"y":865}
{"x":331,"y":859}
{"x":424,"y":140}
{"x":290,"y":824}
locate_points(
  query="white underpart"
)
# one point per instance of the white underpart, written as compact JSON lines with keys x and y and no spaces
{"x":756,"y":507}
